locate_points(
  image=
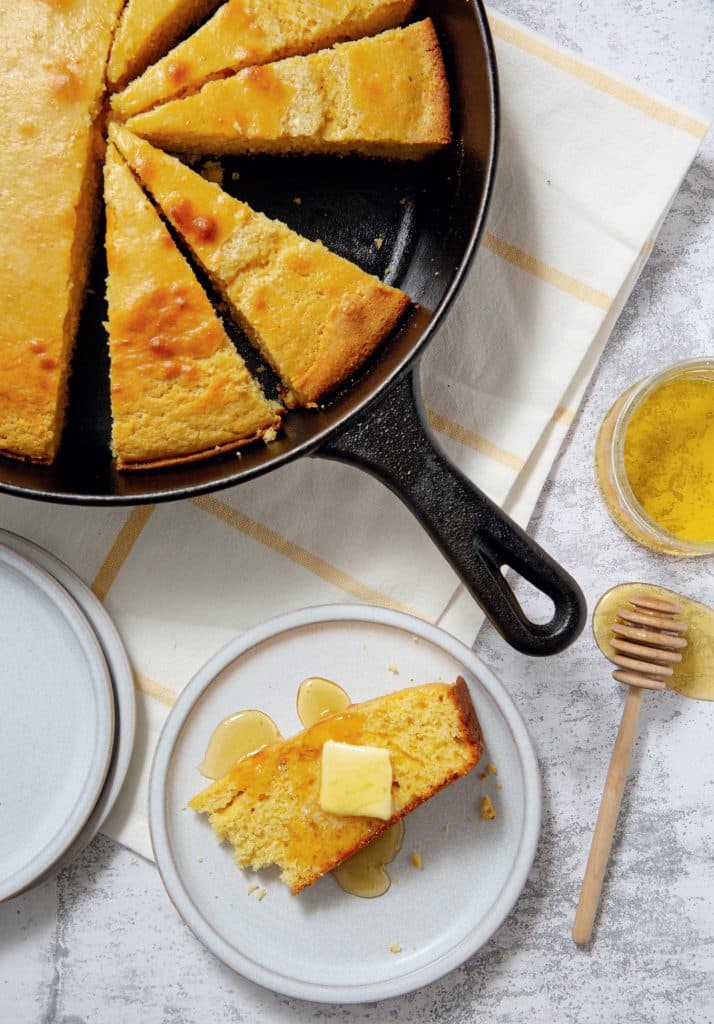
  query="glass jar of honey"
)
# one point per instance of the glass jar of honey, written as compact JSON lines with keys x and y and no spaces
{"x":654,"y":460}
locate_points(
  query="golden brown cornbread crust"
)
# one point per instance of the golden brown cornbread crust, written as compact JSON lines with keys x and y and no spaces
{"x":382,"y":96}
{"x":470,"y":725}
{"x":244,"y":33}
{"x":147,"y":29}
{"x":208,"y":453}
{"x":179,"y":389}
{"x":433,"y":736}
{"x":313,"y":315}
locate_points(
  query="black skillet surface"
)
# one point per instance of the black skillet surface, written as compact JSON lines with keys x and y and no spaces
{"x":427,"y":218}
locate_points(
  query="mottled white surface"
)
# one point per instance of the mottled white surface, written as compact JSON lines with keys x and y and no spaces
{"x":102,"y":943}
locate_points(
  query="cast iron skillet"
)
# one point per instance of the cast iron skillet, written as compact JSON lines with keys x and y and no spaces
{"x":429,"y":217}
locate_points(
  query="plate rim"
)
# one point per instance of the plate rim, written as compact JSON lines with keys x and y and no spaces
{"x":171,"y":878}
{"x":120,"y":673}
{"x":100,"y":681}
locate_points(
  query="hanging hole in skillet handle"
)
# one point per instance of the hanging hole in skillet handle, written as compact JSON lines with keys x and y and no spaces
{"x":392,"y":441}
{"x":537,"y":606}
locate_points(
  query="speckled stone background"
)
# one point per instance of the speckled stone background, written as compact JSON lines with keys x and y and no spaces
{"x":102,"y":943}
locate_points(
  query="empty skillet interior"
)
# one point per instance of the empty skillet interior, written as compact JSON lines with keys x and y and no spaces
{"x":412,"y":224}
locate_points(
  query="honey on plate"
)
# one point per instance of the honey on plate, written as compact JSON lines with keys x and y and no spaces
{"x":235,"y":737}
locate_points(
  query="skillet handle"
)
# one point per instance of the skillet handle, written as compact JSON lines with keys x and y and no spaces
{"x":393,"y":441}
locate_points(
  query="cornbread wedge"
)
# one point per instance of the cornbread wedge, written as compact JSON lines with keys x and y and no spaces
{"x":147,"y":29}
{"x":386,"y":96}
{"x":179,"y":389}
{"x":246,"y":32}
{"x":313,"y":315}
{"x":268,"y":805}
{"x":52,"y":61}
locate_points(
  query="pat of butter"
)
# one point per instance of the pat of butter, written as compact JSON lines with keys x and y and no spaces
{"x":356,"y":780}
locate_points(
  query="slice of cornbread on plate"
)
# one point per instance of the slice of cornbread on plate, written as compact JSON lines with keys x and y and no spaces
{"x":386,"y":96}
{"x":245,"y":32}
{"x":314,"y":316}
{"x":52,"y":62}
{"x":179,"y":389}
{"x":268,"y":806}
{"x":147,"y":29}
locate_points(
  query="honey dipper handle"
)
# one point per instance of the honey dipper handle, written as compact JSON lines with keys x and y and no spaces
{"x":607,"y":818}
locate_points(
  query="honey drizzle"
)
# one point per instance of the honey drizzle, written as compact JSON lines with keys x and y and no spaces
{"x":237,"y":736}
{"x":317,"y":698}
{"x":363,"y":873}
{"x":245,"y":732}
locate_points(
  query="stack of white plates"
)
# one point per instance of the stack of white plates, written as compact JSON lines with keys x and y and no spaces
{"x":66,"y":714}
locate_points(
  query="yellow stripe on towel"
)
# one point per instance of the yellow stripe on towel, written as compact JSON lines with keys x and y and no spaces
{"x":621,"y":91}
{"x":121,"y":549}
{"x":156,"y":690}
{"x":153,"y":689}
{"x":467,"y":437}
{"x":299,"y":555}
{"x":545,"y":272}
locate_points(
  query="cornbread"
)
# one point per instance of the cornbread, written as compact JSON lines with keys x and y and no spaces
{"x":147,"y":30}
{"x":386,"y":96}
{"x":246,"y":32}
{"x":52,"y":61}
{"x":313,"y":315}
{"x":268,"y":805}
{"x":179,"y":389}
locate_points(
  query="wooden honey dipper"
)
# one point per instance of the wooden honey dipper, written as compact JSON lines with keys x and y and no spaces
{"x":647,"y":639}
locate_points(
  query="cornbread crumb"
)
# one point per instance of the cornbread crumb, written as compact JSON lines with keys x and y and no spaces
{"x":251,"y":888}
{"x":212,"y":171}
{"x":395,"y":948}
{"x":417,"y":862}
{"x":488,"y":811}
{"x":499,"y":785}
{"x":270,"y":435}
{"x":199,"y":860}
{"x":298,"y":201}
{"x":402,"y":202}
{"x":446,"y":828}
{"x":491,"y":769}
{"x":379,"y":242}
{"x":393,"y":669}
{"x":260,"y":895}
{"x":235,"y":175}
{"x":482,"y":775}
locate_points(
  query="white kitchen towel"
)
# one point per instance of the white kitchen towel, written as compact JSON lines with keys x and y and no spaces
{"x":588,"y":168}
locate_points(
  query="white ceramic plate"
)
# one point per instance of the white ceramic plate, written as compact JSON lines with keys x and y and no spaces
{"x":56,"y":722}
{"x":323,"y":944}
{"x":121,"y":678}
